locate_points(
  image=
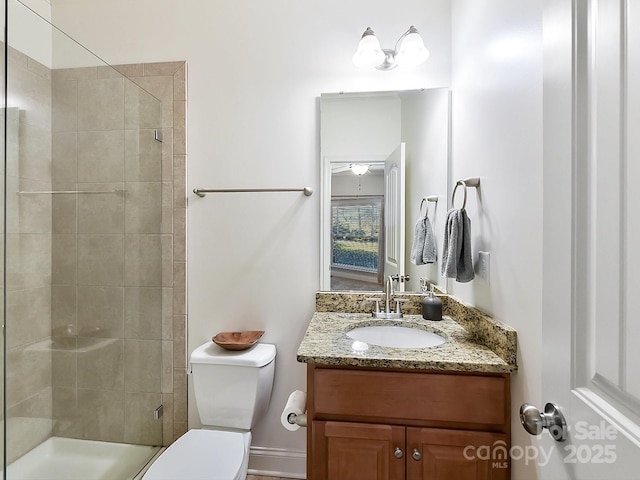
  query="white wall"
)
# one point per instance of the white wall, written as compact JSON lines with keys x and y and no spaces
{"x":425,"y":131}
{"x":497,"y":135}
{"x":256,"y":70}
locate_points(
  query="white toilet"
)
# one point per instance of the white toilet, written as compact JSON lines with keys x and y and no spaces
{"x":232,"y":391}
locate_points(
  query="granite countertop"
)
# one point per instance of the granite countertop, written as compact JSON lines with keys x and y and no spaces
{"x":326,"y":343}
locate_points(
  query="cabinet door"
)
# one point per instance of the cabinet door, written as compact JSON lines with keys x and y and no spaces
{"x":439,"y":454}
{"x":357,"y":451}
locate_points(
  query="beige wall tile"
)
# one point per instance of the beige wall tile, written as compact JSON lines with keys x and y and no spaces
{"x":64,"y":157}
{"x":143,"y":156}
{"x":162,"y":68}
{"x":28,"y":372}
{"x":63,"y":209}
{"x":143,"y":205}
{"x":100,"y":104}
{"x":180,"y":235}
{"x":67,"y":422}
{"x":143,"y":311}
{"x":64,"y":357}
{"x":100,"y":260}
{"x":30,"y":425}
{"x":101,"y":415}
{"x":101,"y":212}
{"x":101,"y":311}
{"x":179,"y":429}
{"x":140,"y":427}
{"x":64,"y":117}
{"x":101,"y":156}
{"x":167,"y":154}
{"x":180,"y":84}
{"x":143,"y":365}
{"x":167,"y":419}
{"x":143,"y":260}
{"x":34,"y":92}
{"x":28,"y":213}
{"x":167,"y":313}
{"x":64,"y":310}
{"x":28,"y":316}
{"x":28,"y":261}
{"x":64,"y":265}
{"x":130,"y":70}
{"x":79,"y":73}
{"x":167,"y":366}
{"x":142,"y":110}
{"x":35,"y":152}
{"x":100,"y":364}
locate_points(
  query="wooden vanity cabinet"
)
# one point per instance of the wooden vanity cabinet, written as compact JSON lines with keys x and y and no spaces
{"x":406,"y":425}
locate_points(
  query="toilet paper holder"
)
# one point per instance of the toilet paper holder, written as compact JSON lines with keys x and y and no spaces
{"x":300,"y":420}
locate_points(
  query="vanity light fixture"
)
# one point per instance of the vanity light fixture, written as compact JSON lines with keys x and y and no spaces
{"x":359,"y":168}
{"x":409,"y":51}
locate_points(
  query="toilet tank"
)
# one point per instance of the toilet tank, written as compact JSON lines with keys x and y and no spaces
{"x":232,"y":388}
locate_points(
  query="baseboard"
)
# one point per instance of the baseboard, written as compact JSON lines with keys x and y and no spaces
{"x":277,"y":462}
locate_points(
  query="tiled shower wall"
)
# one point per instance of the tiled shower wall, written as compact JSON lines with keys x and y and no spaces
{"x":119,"y":259}
{"x":28,"y":268}
{"x":168,"y":82}
{"x":63,"y":302}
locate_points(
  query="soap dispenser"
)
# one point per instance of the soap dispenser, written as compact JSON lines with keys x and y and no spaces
{"x":431,"y":306}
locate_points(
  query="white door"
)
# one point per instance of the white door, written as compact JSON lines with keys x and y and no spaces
{"x":394,"y":222}
{"x":591,"y":313}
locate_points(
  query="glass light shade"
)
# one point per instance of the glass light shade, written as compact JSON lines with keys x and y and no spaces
{"x":369,"y":54}
{"x":411,"y":51}
{"x":359,"y":168}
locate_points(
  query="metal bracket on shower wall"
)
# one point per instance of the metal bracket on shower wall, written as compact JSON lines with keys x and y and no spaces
{"x":157,"y":413}
{"x":157,"y":135}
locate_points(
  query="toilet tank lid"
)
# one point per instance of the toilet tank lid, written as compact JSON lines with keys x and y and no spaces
{"x":259,"y":355}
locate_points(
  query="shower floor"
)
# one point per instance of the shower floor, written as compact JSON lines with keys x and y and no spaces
{"x":70,"y":459}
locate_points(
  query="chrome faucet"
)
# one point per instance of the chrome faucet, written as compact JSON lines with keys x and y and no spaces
{"x":388,"y":292}
{"x":388,"y":298}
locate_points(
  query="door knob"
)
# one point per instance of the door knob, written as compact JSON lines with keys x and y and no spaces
{"x":552,"y":419}
{"x":416,"y":455}
{"x":397,"y":453}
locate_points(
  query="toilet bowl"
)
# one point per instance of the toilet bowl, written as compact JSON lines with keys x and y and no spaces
{"x":232,"y":391}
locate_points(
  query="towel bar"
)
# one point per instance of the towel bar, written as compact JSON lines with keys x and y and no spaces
{"x":201,"y":192}
{"x":467,"y":182}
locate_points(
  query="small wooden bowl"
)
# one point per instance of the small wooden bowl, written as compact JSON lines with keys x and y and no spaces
{"x":237,"y":340}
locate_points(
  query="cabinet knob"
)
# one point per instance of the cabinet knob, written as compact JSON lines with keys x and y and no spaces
{"x":416,"y":455}
{"x":398,"y":453}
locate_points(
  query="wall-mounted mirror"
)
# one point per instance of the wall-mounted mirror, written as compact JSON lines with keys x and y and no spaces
{"x":382,"y":154}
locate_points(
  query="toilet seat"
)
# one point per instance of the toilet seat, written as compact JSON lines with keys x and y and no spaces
{"x":202,"y":455}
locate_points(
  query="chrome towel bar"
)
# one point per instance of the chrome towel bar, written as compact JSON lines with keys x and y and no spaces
{"x":201,"y":192}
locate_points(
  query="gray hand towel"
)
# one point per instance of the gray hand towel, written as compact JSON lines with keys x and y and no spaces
{"x":429,"y":251}
{"x":419,"y":237}
{"x":456,"y":248}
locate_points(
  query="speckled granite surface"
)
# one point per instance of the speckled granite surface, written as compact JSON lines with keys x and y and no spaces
{"x":326,"y":343}
{"x":481,"y":328}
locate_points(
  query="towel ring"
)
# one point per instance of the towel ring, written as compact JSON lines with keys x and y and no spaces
{"x":431,"y":198}
{"x":467,"y":182}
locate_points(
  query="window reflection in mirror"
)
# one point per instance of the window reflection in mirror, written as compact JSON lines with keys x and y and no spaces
{"x":357,"y":223}
{"x":364,"y":129}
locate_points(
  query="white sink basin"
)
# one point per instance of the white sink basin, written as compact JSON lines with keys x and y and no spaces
{"x":396,"y":336}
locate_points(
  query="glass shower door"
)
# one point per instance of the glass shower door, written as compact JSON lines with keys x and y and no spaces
{"x":85,"y":243}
